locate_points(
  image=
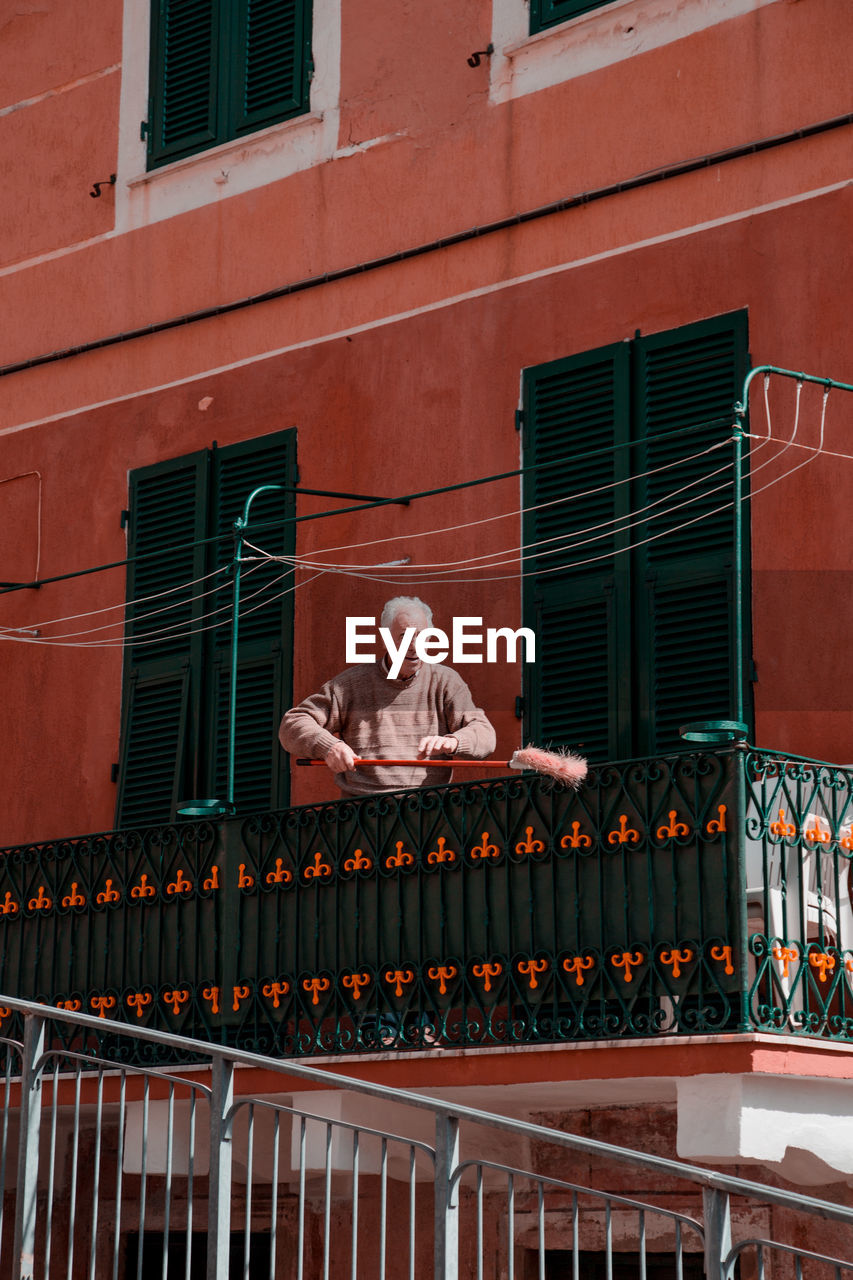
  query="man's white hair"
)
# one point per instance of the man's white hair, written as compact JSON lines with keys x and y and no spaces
{"x":404,"y":604}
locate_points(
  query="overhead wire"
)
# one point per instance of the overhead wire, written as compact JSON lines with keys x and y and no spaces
{"x":513,"y":514}
{"x":567,"y":542}
{"x":360,"y":574}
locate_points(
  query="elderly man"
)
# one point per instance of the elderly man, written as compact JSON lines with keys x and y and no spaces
{"x":426,"y":711}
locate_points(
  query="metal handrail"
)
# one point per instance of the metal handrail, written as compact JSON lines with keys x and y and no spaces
{"x":438,"y":1107}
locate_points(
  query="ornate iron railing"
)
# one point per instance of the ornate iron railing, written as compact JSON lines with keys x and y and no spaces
{"x":798,"y":848}
{"x":672,"y":896}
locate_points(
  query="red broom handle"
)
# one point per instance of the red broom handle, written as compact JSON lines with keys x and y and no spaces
{"x":433,"y":762}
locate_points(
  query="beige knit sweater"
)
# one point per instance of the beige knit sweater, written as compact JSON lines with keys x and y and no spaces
{"x":379,"y":718}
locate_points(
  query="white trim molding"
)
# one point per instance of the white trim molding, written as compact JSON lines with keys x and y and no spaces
{"x":143,"y":197}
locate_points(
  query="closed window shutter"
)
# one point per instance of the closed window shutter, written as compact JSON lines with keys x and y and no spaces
{"x":547,"y":13}
{"x":688,"y":379}
{"x":637,"y":641}
{"x":270,"y":61}
{"x":261,"y":773}
{"x":183,"y":112}
{"x":223,"y":68}
{"x":576,"y":592}
{"x":158,"y":748}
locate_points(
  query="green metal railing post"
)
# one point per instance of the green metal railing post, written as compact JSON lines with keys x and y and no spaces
{"x":240,"y":525}
{"x":740,"y":411}
{"x":737,"y":480}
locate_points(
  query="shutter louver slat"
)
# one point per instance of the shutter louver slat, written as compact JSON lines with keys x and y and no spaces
{"x":692,"y":679}
{"x":255,"y":739}
{"x":187,"y":73}
{"x":164,"y":531}
{"x":574,"y":666}
{"x":270,"y":54}
{"x":156,"y":718}
{"x":239,"y":474}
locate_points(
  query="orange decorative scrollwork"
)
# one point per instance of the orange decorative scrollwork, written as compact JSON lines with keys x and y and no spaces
{"x":402,"y":858}
{"x":4,"y":1012}
{"x":275,"y":990}
{"x":102,"y":1003}
{"x":578,"y":839}
{"x":674,"y":829}
{"x":73,"y":1006}
{"x":723,"y":954}
{"x":817,"y":834}
{"x":9,"y":907}
{"x":487,"y":971}
{"x":716,"y":826}
{"x":354,"y":982}
{"x":211,"y":881}
{"x":319,"y":871}
{"x":143,"y":889}
{"x":139,"y":1000}
{"x":41,"y":902}
{"x":627,"y":960}
{"x":484,"y":850}
{"x":358,"y":862}
{"x":625,"y":834}
{"x":240,"y":992}
{"x":180,"y":884}
{"x":781,"y":827}
{"x":530,"y":968}
{"x":315,"y":986}
{"x":74,"y":899}
{"x":174,"y":999}
{"x":785,"y":955}
{"x":441,"y":854}
{"x":108,"y":894}
{"x":211,"y":995}
{"x":281,"y":875}
{"x":822,"y":962}
{"x":440,"y":973}
{"x":400,"y":977}
{"x":529,"y":845}
{"x":577,"y":965}
{"x":676,"y":959}
{"x":244,"y":880}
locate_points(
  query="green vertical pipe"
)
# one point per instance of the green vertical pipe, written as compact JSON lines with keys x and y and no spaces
{"x":740,"y":411}
{"x":240,"y":525}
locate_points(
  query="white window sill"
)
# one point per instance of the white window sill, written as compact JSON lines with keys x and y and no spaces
{"x":236,"y":150}
{"x":525,"y":63}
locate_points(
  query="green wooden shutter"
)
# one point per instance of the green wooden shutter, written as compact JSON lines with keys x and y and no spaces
{"x":547,"y":13}
{"x":270,"y":62}
{"x":266,"y":614}
{"x":163,"y":659}
{"x":686,"y":378}
{"x":576,"y":592}
{"x":184,"y":94}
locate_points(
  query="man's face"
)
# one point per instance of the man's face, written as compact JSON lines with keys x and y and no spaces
{"x":398,"y":628}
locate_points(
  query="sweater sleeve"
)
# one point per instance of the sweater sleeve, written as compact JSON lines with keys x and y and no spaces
{"x":466,"y":722}
{"x":309,"y":728}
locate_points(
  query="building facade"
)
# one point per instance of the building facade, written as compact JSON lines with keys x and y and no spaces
{"x":371,"y":254}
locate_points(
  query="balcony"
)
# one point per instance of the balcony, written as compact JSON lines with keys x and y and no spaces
{"x":700,"y":893}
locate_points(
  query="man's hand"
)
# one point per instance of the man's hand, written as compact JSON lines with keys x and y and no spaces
{"x":435,"y":745}
{"x":340,"y":758}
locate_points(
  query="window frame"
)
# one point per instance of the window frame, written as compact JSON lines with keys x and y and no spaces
{"x":225,"y":120}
